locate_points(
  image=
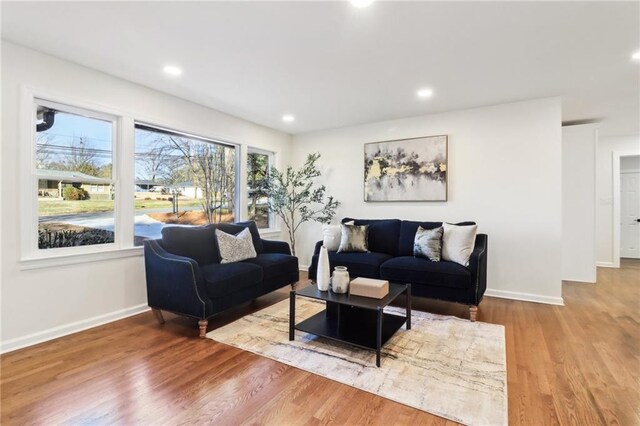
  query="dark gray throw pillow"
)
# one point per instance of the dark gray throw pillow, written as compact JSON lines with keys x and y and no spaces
{"x":428,"y":243}
{"x":354,"y":239}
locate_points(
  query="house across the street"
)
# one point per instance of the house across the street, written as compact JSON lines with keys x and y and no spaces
{"x":51,"y":183}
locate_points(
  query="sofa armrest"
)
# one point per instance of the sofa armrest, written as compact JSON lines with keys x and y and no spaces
{"x":174,"y":283}
{"x":478,"y":269}
{"x":270,"y":246}
{"x":314,"y":261}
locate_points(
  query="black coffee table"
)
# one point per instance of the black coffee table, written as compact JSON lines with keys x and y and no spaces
{"x":357,"y":320}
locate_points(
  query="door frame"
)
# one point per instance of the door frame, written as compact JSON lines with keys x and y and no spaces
{"x":616,"y":202}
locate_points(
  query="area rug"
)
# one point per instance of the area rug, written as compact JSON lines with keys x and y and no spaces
{"x":444,"y":365}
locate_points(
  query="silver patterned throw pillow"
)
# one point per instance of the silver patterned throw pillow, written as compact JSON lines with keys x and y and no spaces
{"x":428,"y":243}
{"x":354,"y":239}
{"x":234,"y":248}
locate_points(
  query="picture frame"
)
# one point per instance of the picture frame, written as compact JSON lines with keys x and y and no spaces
{"x":413,"y":169}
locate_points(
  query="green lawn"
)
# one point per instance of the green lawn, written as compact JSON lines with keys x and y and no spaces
{"x":57,"y":207}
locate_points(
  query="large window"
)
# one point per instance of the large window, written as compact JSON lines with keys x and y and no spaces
{"x":258,"y":164}
{"x":74,"y":169}
{"x":181,"y":180}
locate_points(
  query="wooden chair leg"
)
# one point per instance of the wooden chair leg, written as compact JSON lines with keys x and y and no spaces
{"x":158,"y":314}
{"x":202,"y":324}
{"x":473,"y":312}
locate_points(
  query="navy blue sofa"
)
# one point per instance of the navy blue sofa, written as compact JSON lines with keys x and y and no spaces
{"x":185,"y":276}
{"x":391,"y":258}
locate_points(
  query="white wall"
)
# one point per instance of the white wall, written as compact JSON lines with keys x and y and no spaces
{"x":630,"y":163}
{"x":504,"y":173}
{"x":579,"y":202}
{"x":604,"y":192}
{"x":43,"y":303}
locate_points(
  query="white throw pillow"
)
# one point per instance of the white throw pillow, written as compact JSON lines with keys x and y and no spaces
{"x":458,"y":242}
{"x":331,"y":235}
{"x":234,"y":248}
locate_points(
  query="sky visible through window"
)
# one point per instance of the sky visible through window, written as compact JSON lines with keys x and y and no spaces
{"x":69,"y":131}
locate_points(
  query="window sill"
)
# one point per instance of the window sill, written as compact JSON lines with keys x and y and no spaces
{"x":270,"y":232}
{"x":74,"y":259}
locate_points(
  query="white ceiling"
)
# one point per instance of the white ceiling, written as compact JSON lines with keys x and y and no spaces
{"x":332,"y":65}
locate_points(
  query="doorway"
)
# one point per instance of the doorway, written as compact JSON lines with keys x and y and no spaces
{"x":626,"y":207}
{"x":630,"y":207}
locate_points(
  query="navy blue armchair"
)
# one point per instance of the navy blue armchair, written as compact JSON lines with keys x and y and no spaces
{"x":185,"y":276}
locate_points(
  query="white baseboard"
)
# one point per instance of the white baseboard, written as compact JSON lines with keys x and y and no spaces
{"x":605,"y":264}
{"x":578,"y":281}
{"x":74,"y":327}
{"x":525,"y":297}
{"x":304,"y":268}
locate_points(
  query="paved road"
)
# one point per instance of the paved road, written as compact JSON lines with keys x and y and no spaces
{"x":143,"y":225}
{"x":65,"y":218}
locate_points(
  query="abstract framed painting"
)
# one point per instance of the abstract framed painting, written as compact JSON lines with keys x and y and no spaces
{"x":406,"y":169}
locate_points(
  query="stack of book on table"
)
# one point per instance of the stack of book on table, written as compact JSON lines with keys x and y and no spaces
{"x":369,"y":287}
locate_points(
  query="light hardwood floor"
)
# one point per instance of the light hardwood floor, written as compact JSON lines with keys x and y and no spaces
{"x":578,"y":364}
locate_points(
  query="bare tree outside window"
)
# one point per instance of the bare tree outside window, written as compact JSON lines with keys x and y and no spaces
{"x":181,"y":180}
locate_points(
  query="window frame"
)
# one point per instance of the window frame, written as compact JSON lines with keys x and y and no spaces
{"x":29,"y":172}
{"x":123,"y":173}
{"x":150,"y":126}
{"x":274,"y":224}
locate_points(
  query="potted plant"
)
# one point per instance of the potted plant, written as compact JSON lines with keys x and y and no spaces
{"x":295,"y":198}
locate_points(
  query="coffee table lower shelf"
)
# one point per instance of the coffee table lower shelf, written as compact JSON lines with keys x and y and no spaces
{"x":353,"y":333}
{"x":355,"y":320}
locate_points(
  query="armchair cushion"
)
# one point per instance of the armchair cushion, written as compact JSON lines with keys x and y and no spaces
{"x":423,"y":271}
{"x":235,"y":228}
{"x":223,"y":279}
{"x":198,"y":243}
{"x":271,"y":246}
{"x":234,"y":248}
{"x":274,"y":264}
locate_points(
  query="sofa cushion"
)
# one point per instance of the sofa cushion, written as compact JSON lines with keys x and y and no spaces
{"x":383,"y":234}
{"x":428,"y":243}
{"x":408,"y":230}
{"x":274,"y":264}
{"x":422,"y":271}
{"x":353,"y":239}
{"x":359,"y":264}
{"x":235,"y":228}
{"x":234,"y":248}
{"x":198,"y":243}
{"x":458,"y":243}
{"x":223,"y":279}
{"x":331,"y":235}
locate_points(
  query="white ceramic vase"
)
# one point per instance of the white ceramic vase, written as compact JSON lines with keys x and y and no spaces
{"x":323,"y":273}
{"x":340,"y":280}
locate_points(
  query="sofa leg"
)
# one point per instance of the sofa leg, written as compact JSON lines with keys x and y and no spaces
{"x":294,"y":286}
{"x":158,"y":314}
{"x":202,"y":324}
{"x":473,"y":311}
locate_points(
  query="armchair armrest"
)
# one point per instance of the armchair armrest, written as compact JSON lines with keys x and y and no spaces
{"x":270,"y":246}
{"x":174,"y":283}
{"x":478,"y":269}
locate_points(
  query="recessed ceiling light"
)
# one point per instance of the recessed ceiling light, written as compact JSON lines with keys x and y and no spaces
{"x":288,"y":118}
{"x":636,"y":56}
{"x":425,"y":93}
{"x":360,"y":4}
{"x":172,"y":70}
